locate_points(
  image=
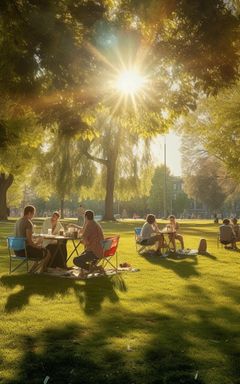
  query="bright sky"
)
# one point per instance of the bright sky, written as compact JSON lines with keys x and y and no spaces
{"x":173,"y":143}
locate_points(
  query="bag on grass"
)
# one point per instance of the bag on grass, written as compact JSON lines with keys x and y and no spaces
{"x":202,"y":248}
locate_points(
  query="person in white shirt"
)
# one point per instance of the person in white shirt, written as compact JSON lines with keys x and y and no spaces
{"x":150,"y":233}
{"x":60,"y":255}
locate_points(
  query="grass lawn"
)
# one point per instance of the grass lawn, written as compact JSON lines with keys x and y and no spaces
{"x":175,"y":321}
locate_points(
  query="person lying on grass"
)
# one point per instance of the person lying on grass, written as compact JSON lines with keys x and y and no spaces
{"x":150,"y":234}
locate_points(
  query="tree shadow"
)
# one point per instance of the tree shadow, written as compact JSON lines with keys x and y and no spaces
{"x":183,"y":346}
{"x":95,"y":291}
{"x":91,"y":293}
{"x":184,"y":268}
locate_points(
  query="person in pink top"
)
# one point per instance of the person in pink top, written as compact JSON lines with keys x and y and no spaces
{"x":92,"y":237}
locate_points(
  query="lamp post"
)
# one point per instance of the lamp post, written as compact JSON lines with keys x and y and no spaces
{"x":165,"y":179}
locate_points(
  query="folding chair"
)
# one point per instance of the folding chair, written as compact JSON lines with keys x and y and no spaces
{"x":139,"y":247}
{"x":16,"y":244}
{"x":137,"y":232}
{"x":110,"y":245}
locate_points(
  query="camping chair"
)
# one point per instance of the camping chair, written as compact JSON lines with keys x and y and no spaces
{"x":139,"y":247}
{"x":109,"y":245}
{"x":16,"y":244}
{"x":137,"y":232}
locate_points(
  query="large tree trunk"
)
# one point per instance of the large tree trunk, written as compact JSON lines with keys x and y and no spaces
{"x":5,"y":183}
{"x":110,"y":163}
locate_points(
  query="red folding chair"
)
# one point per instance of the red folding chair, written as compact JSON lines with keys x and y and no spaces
{"x":110,"y":245}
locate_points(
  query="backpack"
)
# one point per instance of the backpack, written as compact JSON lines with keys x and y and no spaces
{"x":202,"y":248}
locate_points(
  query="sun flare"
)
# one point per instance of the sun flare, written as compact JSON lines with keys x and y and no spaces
{"x":129,"y":82}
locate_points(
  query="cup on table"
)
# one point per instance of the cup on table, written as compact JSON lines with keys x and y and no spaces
{"x":61,"y":232}
{"x":49,"y":231}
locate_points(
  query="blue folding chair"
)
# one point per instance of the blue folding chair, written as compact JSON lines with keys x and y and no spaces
{"x":17,"y":244}
{"x":137,"y":232}
{"x":139,"y":247}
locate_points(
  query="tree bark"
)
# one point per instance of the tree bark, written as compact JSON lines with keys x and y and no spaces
{"x":5,"y":183}
{"x":110,"y":163}
{"x":110,"y":183}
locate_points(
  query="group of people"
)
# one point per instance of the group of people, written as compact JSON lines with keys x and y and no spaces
{"x":229,"y":233}
{"x":47,"y":252}
{"x":151,"y":233}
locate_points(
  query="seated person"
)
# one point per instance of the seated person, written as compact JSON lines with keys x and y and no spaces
{"x":227,"y":235}
{"x":58,"y":251}
{"x":35,"y":251}
{"x":235,"y":228}
{"x":174,"y":227}
{"x":150,"y":233}
{"x":92,"y":237}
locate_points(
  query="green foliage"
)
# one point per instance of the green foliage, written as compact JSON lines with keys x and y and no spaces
{"x":189,"y":35}
{"x":156,"y":197}
{"x":216,"y":124}
{"x":61,"y":168}
{"x":203,"y":184}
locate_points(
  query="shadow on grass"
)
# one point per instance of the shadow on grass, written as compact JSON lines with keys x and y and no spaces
{"x":183,"y":346}
{"x":91,"y":293}
{"x":184,"y":268}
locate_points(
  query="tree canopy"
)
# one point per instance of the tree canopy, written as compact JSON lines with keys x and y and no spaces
{"x":60,"y":60}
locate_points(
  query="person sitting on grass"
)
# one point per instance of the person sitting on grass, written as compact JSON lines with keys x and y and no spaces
{"x":227,"y":235}
{"x":35,"y":251}
{"x":174,"y":227}
{"x":58,"y":251}
{"x":92,"y":237}
{"x":150,"y":233}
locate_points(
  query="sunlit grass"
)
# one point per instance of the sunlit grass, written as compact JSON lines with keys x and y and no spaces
{"x":172,"y":321}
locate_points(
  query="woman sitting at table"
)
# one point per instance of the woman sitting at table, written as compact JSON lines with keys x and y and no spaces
{"x":59,"y":251}
{"x":173,"y":227}
{"x":150,"y":233}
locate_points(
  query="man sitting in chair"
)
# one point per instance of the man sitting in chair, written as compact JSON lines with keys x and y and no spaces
{"x":227,"y":235}
{"x":92,"y":237}
{"x":24,"y":228}
{"x":150,"y":234}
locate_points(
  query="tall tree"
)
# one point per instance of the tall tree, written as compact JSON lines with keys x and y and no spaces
{"x":116,"y":146}
{"x":61,"y":170}
{"x":156,"y":197}
{"x":216,"y":124}
{"x":17,"y":153}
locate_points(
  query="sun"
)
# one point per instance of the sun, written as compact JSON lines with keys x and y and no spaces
{"x":129,"y":82}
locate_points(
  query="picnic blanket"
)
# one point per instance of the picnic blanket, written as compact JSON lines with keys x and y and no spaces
{"x":184,"y":253}
{"x":76,"y":273}
{"x":179,"y":253}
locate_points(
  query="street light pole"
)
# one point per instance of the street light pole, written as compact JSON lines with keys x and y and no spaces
{"x":165,"y":179}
